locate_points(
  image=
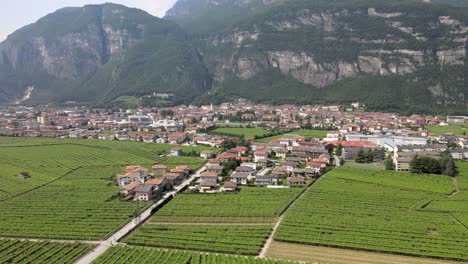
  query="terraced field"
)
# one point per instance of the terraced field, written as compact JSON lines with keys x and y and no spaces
{"x":226,"y":223}
{"x":16,"y":251}
{"x":140,"y":255}
{"x":382,"y":211}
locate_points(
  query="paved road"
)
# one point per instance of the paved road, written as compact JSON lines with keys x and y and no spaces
{"x":112,"y":240}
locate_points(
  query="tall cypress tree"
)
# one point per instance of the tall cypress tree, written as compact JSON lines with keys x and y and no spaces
{"x":450,"y":169}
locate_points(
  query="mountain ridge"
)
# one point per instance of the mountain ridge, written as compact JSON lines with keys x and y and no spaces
{"x":391,"y":55}
{"x":89,"y":56}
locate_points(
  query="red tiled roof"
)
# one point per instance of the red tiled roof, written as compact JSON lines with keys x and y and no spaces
{"x":131,"y":186}
{"x":154,"y":181}
{"x":209,"y":174}
{"x":355,"y":144}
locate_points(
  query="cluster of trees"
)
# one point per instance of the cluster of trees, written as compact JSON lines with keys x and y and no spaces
{"x":371,"y":155}
{"x":445,"y":165}
{"x":165,"y":113}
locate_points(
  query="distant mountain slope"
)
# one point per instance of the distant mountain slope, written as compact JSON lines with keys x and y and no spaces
{"x":395,"y":55}
{"x":208,"y":16}
{"x":391,"y":55}
{"x":99,"y":52}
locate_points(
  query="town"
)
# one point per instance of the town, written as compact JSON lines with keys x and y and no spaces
{"x":259,"y":145}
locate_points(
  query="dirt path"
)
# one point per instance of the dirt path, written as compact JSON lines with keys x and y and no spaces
{"x":456,"y":185}
{"x":209,"y":224}
{"x":317,"y":254}
{"x":269,"y":241}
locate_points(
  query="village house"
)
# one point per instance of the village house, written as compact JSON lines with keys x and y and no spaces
{"x":218,"y":169}
{"x":240,"y":178}
{"x":128,"y":189}
{"x":184,"y":171}
{"x":290,"y":165}
{"x":307,"y":173}
{"x":245,"y":169}
{"x":271,"y":179}
{"x":159,"y":169}
{"x":206,"y":154}
{"x":296,"y":181}
{"x":459,"y":154}
{"x":260,"y":155}
{"x":161,"y":140}
{"x":230,"y":186}
{"x":208,"y":187}
{"x":143,"y":193}
{"x":176,"y":151}
{"x":133,"y":174}
{"x":174,"y":178}
{"x":209,"y":177}
{"x":225,"y":157}
{"x":316,"y":166}
{"x":212,"y":162}
{"x":176,"y":138}
{"x":281,"y":153}
{"x":157,"y":184}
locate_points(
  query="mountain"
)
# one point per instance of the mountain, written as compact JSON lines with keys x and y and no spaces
{"x":394,"y":55}
{"x":391,"y":55}
{"x":208,"y":16}
{"x":99,"y":53}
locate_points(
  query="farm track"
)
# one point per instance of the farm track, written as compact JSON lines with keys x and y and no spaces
{"x":269,"y":241}
{"x":318,"y":254}
{"x":209,"y":224}
{"x":456,"y":185}
{"x":458,"y":221}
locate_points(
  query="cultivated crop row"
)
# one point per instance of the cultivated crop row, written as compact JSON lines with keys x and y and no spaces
{"x":380,"y":211}
{"x":140,"y":255}
{"x":16,"y":251}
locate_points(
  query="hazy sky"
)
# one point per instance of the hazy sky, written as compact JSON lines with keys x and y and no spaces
{"x":17,"y":13}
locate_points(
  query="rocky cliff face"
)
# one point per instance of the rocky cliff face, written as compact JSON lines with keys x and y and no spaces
{"x":75,"y":45}
{"x":392,"y":55}
{"x":399,"y":51}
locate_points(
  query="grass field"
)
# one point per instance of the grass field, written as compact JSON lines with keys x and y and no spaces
{"x":225,"y":223}
{"x":455,"y":129}
{"x":141,"y":255}
{"x":16,"y":251}
{"x":48,"y":159}
{"x":238,"y":132}
{"x":381,"y":211}
{"x":308,"y":134}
